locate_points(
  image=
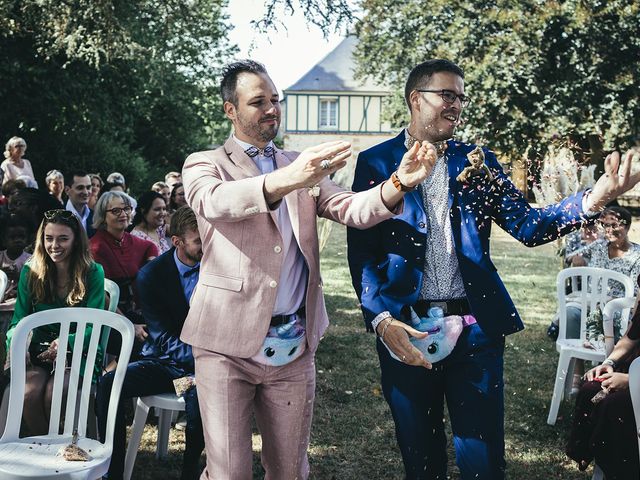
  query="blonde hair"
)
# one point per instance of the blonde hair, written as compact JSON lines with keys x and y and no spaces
{"x":12,"y":143}
{"x":158,"y":186}
{"x":43,"y":278}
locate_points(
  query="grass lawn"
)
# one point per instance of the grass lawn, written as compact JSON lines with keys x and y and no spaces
{"x":353,"y":434}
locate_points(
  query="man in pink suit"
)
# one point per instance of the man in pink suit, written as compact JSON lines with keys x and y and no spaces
{"x":258,"y":313}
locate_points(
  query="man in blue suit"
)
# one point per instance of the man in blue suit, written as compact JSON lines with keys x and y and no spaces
{"x":436,"y":253}
{"x":165,"y":286}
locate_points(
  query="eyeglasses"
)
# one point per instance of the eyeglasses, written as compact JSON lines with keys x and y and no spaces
{"x":59,"y":213}
{"x":612,"y":226}
{"x":449,"y":96}
{"x":117,"y":210}
{"x":20,"y":145}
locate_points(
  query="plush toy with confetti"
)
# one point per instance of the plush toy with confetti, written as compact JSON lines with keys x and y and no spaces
{"x":477,"y":167}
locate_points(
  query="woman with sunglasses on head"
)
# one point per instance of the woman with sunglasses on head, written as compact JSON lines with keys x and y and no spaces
{"x":15,"y":166}
{"x":61,"y":273}
{"x":121,"y":255}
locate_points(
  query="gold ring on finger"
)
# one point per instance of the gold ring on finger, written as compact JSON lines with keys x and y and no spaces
{"x":404,"y":357}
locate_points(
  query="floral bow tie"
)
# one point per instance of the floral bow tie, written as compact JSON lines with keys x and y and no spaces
{"x":268,"y":151}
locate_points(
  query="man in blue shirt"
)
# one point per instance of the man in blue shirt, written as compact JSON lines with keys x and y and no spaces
{"x":165,"y":286}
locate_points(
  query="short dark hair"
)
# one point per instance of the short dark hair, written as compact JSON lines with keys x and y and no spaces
{"x":183,"y":221}
{"x":230,"y":75}
{"x":622,"y":214}
{"x":421,"y":74}
{"x":74,"y":174}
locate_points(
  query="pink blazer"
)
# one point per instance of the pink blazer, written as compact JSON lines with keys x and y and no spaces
{"x":232,"y":304}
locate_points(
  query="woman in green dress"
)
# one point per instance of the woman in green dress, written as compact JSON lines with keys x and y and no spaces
{"x":61,"y":273}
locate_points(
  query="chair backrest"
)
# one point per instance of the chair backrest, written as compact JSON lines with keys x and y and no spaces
{"x":622,"y":305}
{"x":78,"y":387}
{"x":634,"y":390}
{"x":594,"y":289}
{"x":4,"y":281}
{"x":113,"y":290}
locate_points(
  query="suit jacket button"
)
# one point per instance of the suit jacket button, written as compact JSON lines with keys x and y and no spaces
{"x":421,"y":225}
{"x":277,"y":249}
{"x":273,"y":284}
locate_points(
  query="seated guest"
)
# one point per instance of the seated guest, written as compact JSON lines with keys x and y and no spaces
{"x":172,"y":178}
{"x":60,"y":274}
{"x":163,"y":189}
{"x":149,"y":221}
{"x":165,"y":286}
{"x":30,"y":204}
{"x":55,"y":185}
{"x":177,"y":198}
{"x":14,"y":164}
{"x":606,"y":431}
{"x":612,"y":252}
{"x":78,"y":190}
{"x":96,"y":186}
{"x":8,"y":190}
{"x":14,"y":233}
{"x":121,"y":255}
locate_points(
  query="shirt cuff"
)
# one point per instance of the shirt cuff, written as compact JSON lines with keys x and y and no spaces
{"x":588,"y":213}
{"x":379,"y":318}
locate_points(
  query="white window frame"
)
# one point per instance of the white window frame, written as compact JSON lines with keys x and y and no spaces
{"x":332,"y":104}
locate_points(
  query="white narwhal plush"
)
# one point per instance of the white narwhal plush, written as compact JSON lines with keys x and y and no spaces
{"x":443,"y":333}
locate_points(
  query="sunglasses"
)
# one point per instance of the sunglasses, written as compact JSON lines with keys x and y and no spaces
{"x":59,"y":213}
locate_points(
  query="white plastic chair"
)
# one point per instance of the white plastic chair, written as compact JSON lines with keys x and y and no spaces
{"x":36,"y":457}
{"x":594,"y":290}
{"x":4,"y":281}
{"x":622,"y":305}
{"x":165,"y":404}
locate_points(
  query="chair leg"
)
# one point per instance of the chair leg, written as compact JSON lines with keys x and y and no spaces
{"x":139,"y":420}
{"x":568,"y":378}
{"x":563,"y":367}
{"x":4,"y":410}
{"x":164,"y":427}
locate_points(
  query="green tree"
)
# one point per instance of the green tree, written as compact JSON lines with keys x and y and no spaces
{"x":533,"y":68}
{"x":112,"y":85}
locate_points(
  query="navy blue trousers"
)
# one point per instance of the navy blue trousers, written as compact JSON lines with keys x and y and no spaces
{"x":470,"y":379}
{"x":149,"y":377}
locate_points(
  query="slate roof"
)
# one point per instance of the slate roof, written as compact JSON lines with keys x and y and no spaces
{"x":335,"y":73}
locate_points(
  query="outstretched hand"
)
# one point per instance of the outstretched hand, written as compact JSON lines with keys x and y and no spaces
{"x":417,"y":163}
{"x":616,"y":180}
{"x":396,"y":338}
{"x":315,"y":163}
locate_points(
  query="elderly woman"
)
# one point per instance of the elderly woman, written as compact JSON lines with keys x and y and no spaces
{"x":15,"y":166}
{"x":55,"y":185}
{"x":120,"y":253}
{"x":149,"y":221}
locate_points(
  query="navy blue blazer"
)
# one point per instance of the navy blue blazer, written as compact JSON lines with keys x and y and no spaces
{"x":387,"y":261}
{"x":164,"y":308}
{"x":90,"y":230}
